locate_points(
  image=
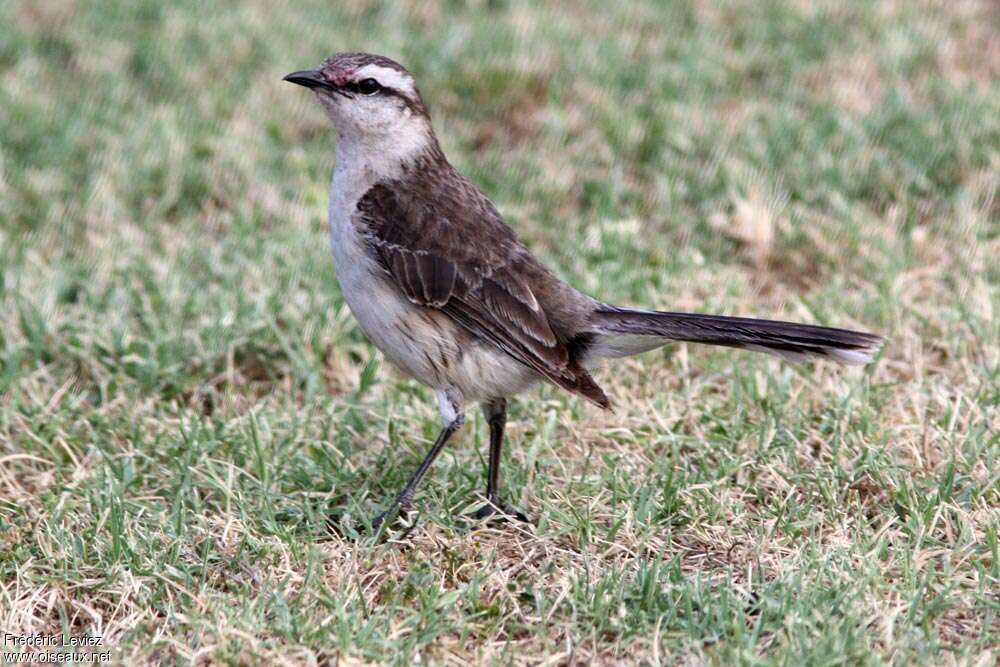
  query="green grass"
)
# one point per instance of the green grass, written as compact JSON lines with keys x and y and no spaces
{"x":184,"y":395}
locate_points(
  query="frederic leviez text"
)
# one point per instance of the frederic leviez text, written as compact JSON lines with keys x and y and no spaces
{"x":39,"y":648}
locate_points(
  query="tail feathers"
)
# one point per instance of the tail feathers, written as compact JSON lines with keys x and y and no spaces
{"x":627,"y":331}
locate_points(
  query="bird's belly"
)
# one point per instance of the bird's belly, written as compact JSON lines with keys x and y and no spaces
{"x":431,"y":348}
{"x":420,"y":342}
{"x":485,"y":372}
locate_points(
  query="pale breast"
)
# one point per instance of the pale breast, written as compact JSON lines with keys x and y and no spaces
{"x":422,"y":343}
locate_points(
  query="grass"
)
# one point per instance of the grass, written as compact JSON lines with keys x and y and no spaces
{"x":184,"y":396}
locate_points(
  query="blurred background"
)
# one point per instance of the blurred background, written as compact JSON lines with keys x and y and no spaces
{"x":181,"y":385}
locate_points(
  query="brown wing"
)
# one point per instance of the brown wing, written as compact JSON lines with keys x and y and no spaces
{"x":448,"y":248}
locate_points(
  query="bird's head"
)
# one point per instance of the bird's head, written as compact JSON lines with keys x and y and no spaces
{"x":370,"y":99}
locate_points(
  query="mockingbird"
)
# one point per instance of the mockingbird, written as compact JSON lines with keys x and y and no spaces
{"x":444,"y":288}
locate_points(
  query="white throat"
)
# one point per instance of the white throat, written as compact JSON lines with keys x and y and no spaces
{"x":363,"y":160}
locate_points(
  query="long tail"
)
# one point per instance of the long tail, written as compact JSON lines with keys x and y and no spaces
{"x":625,"y":331}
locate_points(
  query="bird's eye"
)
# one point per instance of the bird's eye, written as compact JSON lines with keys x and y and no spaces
{"x":368,"y":86}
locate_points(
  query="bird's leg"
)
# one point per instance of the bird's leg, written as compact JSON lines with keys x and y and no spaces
{"x":453,"y":418}
{"x":405,"y":497}
{"x":496,"y":416}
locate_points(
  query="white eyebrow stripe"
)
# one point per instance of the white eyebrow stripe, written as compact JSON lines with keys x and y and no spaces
{"x":386,"y":76}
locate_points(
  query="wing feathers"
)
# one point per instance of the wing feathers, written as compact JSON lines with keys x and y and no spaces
{"x":516,"y":309}
{"x":438,"y":276}
{"x":458,"y":256}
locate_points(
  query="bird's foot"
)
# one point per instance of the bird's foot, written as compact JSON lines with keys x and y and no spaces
{"x":499,"y":512}
{"x":392,"y":518}
{"x":395,"y":516}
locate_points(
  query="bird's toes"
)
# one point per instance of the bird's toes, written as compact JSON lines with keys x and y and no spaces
{"x":499,"y":512}
{"x":380,"y":525}
{"x":395,"y":517}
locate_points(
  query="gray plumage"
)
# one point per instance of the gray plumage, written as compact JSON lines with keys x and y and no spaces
{"x":451,"y":296}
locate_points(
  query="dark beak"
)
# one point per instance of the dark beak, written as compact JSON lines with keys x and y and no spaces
{"x":310,"y":78}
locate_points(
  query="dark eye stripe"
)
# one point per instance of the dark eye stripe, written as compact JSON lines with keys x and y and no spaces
{"x":364,"y":87}
{"x":354,"y":87}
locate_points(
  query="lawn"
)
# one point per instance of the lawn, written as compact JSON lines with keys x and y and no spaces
{"x":185,"y":398}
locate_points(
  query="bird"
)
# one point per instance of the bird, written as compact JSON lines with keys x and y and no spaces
{"x":449,"y":294}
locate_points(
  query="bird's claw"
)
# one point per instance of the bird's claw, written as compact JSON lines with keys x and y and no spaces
{"x":391,"y":518}
{"x":499,"y":512}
